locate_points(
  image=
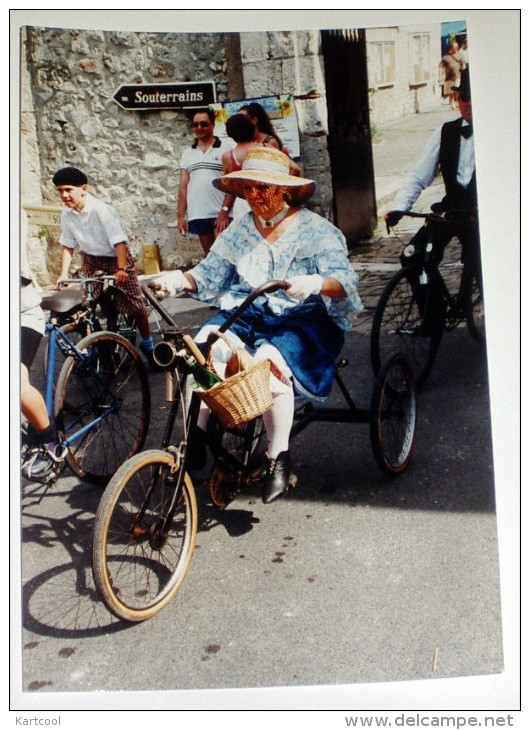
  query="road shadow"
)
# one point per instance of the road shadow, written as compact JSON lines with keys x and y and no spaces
{"x":62,"y":601}
{"x":451,"y":471}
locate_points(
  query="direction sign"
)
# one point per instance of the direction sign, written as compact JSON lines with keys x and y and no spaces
{"x":185,"y":95}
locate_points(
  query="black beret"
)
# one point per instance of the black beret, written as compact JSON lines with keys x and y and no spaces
{"x":70,"y":176}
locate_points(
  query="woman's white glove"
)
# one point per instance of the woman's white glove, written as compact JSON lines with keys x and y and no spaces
{"x":169,"y":284}
{"x":302,"y":287}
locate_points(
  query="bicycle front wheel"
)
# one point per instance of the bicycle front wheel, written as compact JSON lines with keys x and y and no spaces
{"x":102,"y":406}
{"x":393,"y":415}
{"x":399,"y":326}
{"x":144,"y":536}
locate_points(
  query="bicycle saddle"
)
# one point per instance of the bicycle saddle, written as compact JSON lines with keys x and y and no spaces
{"x":63,"y":301}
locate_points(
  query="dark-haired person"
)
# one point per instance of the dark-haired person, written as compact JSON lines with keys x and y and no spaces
{"x":201,"y":208}
{"x":94,"y":227}
{"x":264,"y":130}
{"x":450,"y":149}
{"x":240,"y":128}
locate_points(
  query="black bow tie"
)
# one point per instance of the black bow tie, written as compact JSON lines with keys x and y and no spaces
{"x":466,"y":131}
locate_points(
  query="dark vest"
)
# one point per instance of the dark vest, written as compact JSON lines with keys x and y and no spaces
{"x":456,"y":195}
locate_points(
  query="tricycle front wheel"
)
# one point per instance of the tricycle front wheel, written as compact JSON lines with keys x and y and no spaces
{"x":144,"y":535}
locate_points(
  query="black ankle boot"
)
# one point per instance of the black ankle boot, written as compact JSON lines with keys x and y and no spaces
{"x":279,"y":477}
{"x":197,"y":449}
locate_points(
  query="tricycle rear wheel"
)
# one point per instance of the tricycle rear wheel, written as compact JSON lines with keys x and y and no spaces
{"x":393,"y":414}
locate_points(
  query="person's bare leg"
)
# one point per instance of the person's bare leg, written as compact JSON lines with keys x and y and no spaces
{"x":206,"y":240}
{"x":142,"y":322}
{"x":32,"y":402}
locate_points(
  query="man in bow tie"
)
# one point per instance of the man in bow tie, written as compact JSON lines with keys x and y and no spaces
{"x":451,"y":149}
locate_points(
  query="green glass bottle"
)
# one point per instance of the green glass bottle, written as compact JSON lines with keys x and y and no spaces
{"x":203,"y":377}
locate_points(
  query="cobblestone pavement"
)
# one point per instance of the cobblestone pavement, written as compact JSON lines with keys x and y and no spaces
{"x":379,"y":259}
{"x":375,"y":263}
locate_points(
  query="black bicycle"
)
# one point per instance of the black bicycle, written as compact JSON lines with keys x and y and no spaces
{"x":423,"y":299}
{"x":146,"y":522}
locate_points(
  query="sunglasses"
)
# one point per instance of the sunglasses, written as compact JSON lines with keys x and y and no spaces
{"x":201,"y":124}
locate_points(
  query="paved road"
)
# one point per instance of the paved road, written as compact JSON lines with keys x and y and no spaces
{"x":352,"y":578}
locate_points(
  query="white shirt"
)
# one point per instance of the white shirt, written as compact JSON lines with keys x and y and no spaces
{"x":95,"y":230}
{"x":31,"y":314}
{"x":423,"y":174}
{"x":203,"y":199}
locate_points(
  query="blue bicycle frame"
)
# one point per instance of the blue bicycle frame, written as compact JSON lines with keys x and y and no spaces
{"x":57,"y":338}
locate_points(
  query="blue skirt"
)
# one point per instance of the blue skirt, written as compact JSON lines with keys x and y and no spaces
{"x":306,"y":336}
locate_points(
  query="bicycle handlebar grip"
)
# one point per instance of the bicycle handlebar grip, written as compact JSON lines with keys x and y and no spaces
{"x":271,"y":286}
{"x":392,"y":218}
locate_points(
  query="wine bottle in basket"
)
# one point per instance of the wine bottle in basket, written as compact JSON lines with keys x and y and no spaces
{"x":204,"y":378}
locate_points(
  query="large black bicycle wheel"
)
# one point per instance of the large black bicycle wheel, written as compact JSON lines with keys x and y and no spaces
{"x":393,"y":415}
{"x":144,"y":536}
{"x":399,"y":326}
{"x":473,"y":303}
{"x":108,"y":395}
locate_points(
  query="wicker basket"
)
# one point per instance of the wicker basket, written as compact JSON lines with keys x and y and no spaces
{"x":242,"y":396}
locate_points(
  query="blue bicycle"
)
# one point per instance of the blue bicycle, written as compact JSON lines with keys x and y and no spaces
{"x":101,"y":398}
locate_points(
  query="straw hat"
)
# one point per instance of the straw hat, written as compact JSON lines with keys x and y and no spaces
{"x":270,"y":166}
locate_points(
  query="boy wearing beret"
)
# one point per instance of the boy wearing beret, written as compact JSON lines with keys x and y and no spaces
{"x":96,"y":229}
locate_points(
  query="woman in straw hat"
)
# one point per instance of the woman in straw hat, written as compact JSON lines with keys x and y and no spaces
{"x":300,"y":330}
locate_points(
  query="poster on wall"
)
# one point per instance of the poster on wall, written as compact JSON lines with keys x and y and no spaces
{"x":282,"y":113}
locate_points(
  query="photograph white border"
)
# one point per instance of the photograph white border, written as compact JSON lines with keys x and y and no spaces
{"x":497,"y":153}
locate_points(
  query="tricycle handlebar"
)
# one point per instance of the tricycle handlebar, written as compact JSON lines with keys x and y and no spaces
{"x":267,"y":288}
{"x":162,"y":311}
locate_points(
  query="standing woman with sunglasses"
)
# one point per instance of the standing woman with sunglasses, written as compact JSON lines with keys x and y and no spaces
{"x":202,"y":209}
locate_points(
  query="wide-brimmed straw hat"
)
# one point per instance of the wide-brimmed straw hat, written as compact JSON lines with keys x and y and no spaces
{"x":270,"y":166}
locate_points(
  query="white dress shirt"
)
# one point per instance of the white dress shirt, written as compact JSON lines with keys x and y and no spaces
{"x":95,"y":230}
{"x":423,"y":174}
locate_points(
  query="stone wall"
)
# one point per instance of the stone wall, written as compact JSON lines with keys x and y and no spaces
{"x":276,"y":62}
{"x":131,"y":158}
